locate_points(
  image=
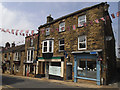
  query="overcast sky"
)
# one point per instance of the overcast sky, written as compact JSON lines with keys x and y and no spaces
{"x":30,"y":15}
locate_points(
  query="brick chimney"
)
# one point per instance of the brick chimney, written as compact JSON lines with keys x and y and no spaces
{"x":13,"y":44}
{"x":49,"y":18}
{"x":7,"y":45}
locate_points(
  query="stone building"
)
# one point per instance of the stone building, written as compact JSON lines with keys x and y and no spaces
{"x":30,"y":55}
{"x":12,"y":59}
{"x":80,"y":45}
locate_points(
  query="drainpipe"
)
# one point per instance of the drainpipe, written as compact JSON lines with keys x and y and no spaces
{"x":37,"y":49}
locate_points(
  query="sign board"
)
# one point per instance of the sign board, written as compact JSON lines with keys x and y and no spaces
{"x":55,"y":70}
{"x":93,"y":52}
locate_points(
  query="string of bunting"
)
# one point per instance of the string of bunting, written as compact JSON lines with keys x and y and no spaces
{"x":86,"y":24}
{"x":18,"y":32}
{"x":27,"y":32}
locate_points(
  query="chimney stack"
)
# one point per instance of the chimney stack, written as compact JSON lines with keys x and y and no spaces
{"x":49,"y":18}
{"x":13,"y":44}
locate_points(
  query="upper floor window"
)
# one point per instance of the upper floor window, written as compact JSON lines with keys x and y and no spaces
{"x":47,"y":31}
{"x":82,"y":42}
{"x":30,"y":55}
{"x":47,"y":46}
{"x":31,"y":41}
{"x":62,"y":26}
{"x":16,"y":57}
{"x":81,"y":20}
{"x":61,"y":45}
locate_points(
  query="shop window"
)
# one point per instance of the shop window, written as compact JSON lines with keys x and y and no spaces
{"x":62,"y":26}
{"x":82,"y":42}
{"x":81,"y":20}
{"x":61,"y":45}
{"x":47,"y":46}
{"x":87,"y":68}
{"x":47,"y":31}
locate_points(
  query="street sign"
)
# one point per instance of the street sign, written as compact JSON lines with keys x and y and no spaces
{"x":93,"y":52}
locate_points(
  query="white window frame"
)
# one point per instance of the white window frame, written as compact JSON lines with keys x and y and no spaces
{"x":48,"y":46}
{"x":47,"y":31}
{"x":82,"y":42}
{"x":61,"y":45}
{"x":61,"y":26}
{"x":30,"y":60}
{"x":79,"y":21}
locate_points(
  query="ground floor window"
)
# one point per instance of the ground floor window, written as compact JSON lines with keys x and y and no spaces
{"x":87,"y":68}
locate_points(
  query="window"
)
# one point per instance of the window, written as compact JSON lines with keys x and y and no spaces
{"x":62,"y":26}
{"x":87,"y":68}
{"x":47,"y":46}
{"x":16,"y":57}
{"x":61,"y":45}
{"x":47,"y":31}
{"x":30,"y":55}
{"x":31,"y":42}
{"x":81,"y":20}
{"x":81,"y":42}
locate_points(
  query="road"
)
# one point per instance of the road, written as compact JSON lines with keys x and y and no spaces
{"x":17,"y":82}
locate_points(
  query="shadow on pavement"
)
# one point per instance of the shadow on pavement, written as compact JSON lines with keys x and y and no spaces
{"x":6,"y":80}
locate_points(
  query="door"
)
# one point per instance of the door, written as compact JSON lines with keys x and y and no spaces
{"x":69,"y":72}
{"x":47,"y":70}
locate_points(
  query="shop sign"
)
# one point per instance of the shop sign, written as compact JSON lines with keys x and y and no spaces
{"x":55,"y":70}
{"x":93,"y":52}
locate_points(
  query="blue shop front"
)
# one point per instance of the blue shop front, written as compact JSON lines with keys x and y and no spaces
{"x":87,"y":65}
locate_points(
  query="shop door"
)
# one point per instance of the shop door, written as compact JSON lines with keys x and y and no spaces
{"x":47,"y":70}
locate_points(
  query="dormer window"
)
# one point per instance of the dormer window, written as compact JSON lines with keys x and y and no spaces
{"x":81,"y":20}
{"x":47,"y":46}
{"x":62,"y":26}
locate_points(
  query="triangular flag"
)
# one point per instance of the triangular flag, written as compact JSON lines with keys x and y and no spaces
{"x":32,"y":32}
{"x":118,"y":14}
{"x":80,"y":25}
{"x":97,"y":21}
{"x":23,"y":34}
{"x":103,"y":19}
{"x":27,"y":31}
{"x":113,"y":16}
{"x":8,"y":31}
{"x":12,"y":31}
{"x":74,"y":27}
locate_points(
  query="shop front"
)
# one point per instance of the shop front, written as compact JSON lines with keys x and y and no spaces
{"x":87,"y":66}
{"x":50,"y":68}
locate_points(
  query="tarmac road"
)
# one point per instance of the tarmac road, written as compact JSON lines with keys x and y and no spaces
{"x":17,"y":82}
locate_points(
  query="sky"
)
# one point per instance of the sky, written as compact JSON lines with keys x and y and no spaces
{"x":30,"y":15}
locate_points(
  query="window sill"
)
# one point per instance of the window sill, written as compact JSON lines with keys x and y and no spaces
{"x":82,"y":48}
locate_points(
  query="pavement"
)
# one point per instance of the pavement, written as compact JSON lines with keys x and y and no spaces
{"x":60,"y":82}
